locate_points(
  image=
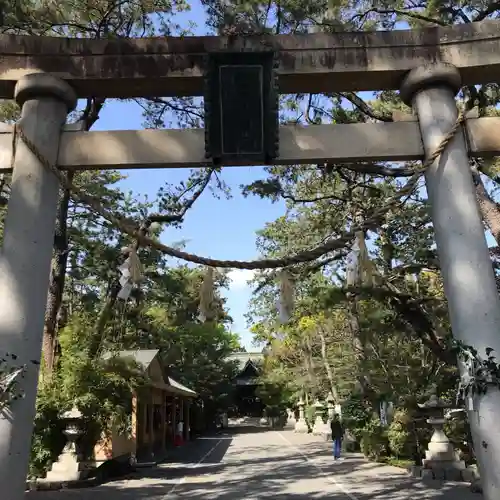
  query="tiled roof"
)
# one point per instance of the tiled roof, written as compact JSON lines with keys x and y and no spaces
{"x":244,"y":357}
{"x":145,"y":357}
{"x":179,"y":386}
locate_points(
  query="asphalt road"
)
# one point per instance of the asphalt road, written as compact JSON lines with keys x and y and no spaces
{"x":249,"y":463}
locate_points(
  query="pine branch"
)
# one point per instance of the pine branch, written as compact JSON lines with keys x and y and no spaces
{"x":399,"y":12}
{"x":354,"y":99}
{"x":491,"y":9}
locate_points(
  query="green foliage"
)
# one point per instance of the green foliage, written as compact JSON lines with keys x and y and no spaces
{"x":458,"y":432}
{"x":100,"y":388}
{"x":48,"y":438}
{"x":374,"y":441}
{"x":275,"y":396}
{"x":356,"y":415}
{"x":400,"y":435}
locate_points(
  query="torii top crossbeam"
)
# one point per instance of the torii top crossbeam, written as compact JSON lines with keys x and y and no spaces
{"x":175,"y":66}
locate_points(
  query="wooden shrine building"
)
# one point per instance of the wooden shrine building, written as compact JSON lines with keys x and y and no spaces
{"x":246,"y":401}
{"x":157,"y":410}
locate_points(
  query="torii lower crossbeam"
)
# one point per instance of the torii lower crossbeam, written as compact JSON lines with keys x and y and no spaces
{"x":359,"y":142}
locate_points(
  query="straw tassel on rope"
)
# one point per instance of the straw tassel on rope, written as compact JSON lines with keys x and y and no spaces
{"x":131,"y":271}
{"x":287,"y":296}
{"x":207,"y":295}
{"x":359,"y":266}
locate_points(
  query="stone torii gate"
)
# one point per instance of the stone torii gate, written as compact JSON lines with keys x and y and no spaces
{"x":46,"y":75}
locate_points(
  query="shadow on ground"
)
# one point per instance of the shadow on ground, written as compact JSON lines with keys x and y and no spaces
{"x":266,"y":470}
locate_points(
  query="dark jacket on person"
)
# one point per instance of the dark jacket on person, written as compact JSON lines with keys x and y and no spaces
{"x":337,"y":430}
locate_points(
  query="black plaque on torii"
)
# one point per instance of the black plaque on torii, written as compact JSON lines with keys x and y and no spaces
{"x":241,"y":108}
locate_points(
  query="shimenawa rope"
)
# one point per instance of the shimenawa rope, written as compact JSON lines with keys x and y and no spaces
{"x":298,"y":258}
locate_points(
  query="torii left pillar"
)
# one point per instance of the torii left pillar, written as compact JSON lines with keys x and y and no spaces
{"x":25,"y":263}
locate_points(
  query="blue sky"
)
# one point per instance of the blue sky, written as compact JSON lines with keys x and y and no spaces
{"x":222,"y":228}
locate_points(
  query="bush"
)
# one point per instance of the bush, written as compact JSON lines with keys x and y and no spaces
{"x":401,"y":439}
{"x":374,"y":442}
{"x":458,"y":432}
{"x":409,"y":435}
{"x":48,"y":438}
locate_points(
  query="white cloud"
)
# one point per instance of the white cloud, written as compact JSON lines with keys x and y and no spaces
{"x":240,"y":277}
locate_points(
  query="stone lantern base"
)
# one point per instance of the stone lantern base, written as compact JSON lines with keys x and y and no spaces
{"x":301,"y":426}
{"x":446,"y":472}
{"x":319,"y":426}
{"x":69,"y":468}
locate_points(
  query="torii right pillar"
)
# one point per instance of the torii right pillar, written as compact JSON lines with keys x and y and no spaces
{"x":469,"y":282}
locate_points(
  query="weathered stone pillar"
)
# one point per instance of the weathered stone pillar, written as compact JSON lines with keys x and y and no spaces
{"x":25,"y":263}
{"x":469,"y":283}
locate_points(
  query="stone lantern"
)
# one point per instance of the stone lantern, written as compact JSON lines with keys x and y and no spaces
{"x":301,"y":424}
{"x":440,"y":457}
{"x":319,"y":424}
{"x":330,"y":405}
{"x":71,"y":465}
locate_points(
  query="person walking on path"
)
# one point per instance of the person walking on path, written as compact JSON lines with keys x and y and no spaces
{"x":337,"y":434}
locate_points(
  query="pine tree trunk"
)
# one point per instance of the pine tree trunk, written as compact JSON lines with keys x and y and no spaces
{"x":98,"y":337}
{"x":56,"y":284}
{"x":328,"y":368}
{"x":358,"y":346}
{"x":310,"y":365}
{"x":488,"y":207}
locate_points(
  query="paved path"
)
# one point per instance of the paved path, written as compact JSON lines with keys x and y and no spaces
{"x":254,"y":464}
